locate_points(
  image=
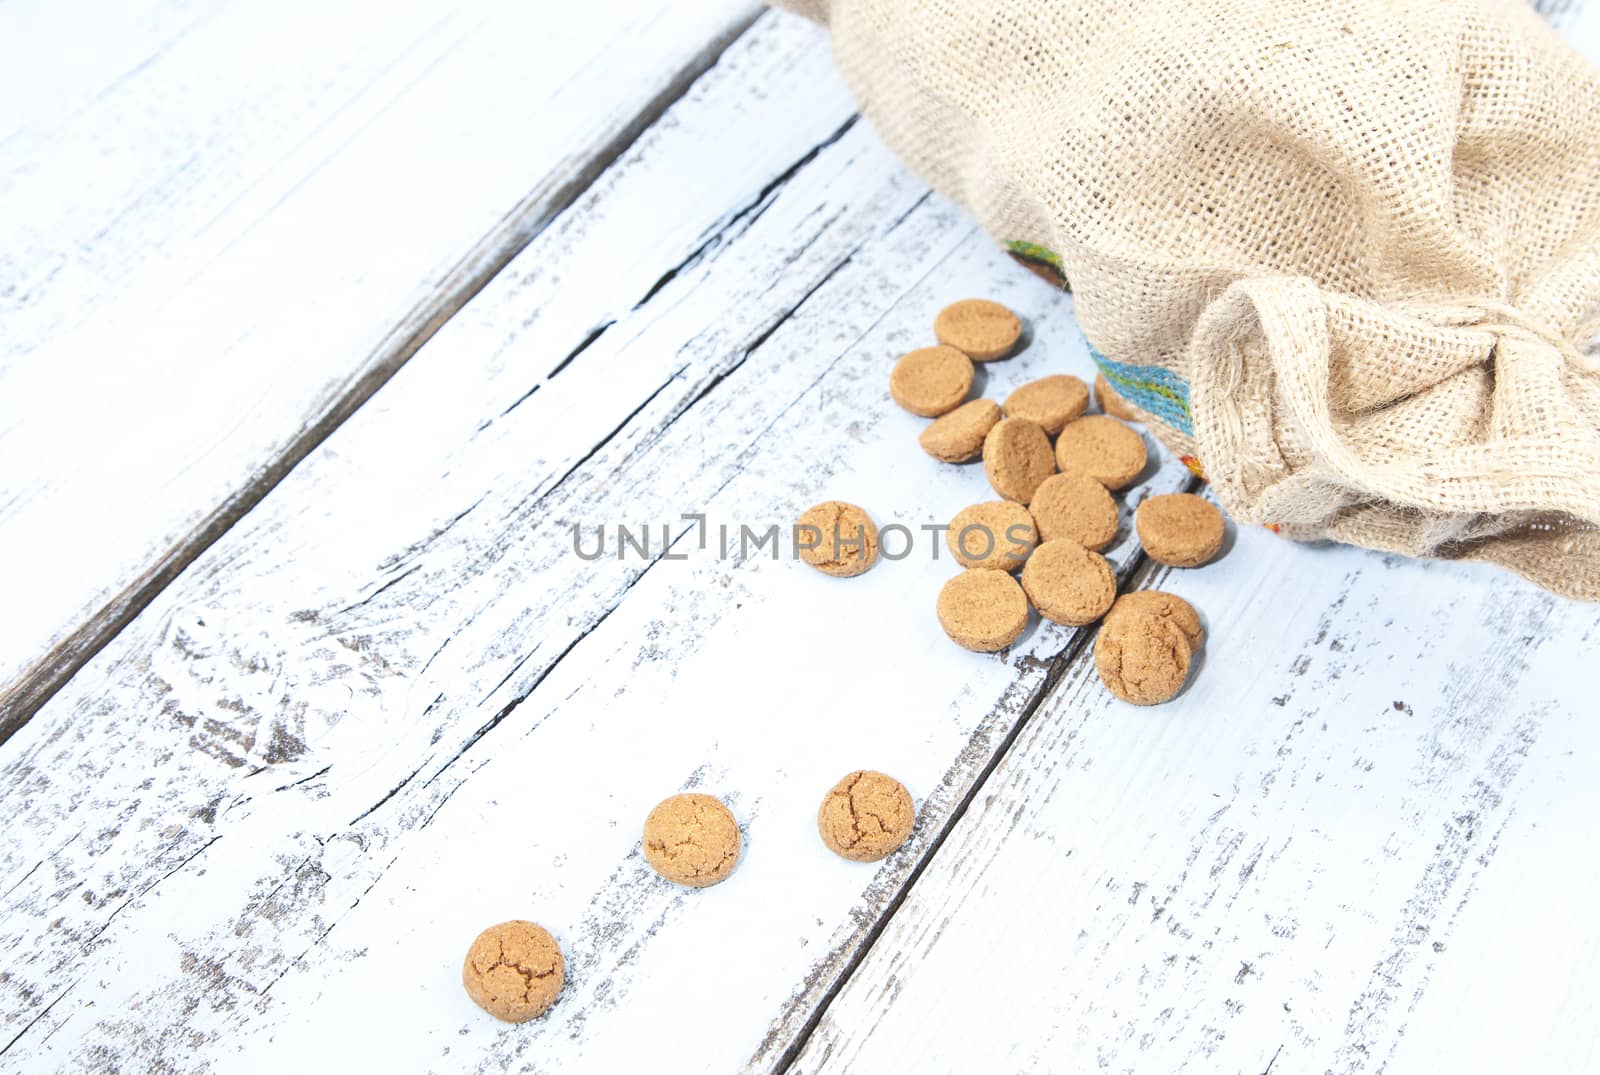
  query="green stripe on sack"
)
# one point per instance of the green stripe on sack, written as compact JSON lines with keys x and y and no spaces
{"x":1153,"y":389}
{"x":1038,"y":260}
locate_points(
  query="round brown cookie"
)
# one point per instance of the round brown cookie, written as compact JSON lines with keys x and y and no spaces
{"x":836,"y":538}
{"x":1017,"y":458}
{"x":1103,"y":448}
{"x":1107,"y":399}
{"x":1050,"y":401}
{"x":1075,"y":506}
{"x":865,"y":816}
{"x":1179,"y":529}
{"x":1069,"y":584}
{"x":1163,"y":606}
{"x":1142,"y":659}
{"x":957,"y":437}
{"x":983,"y":610}
{"x":931,"y":380}
{"x":997,"y":534}
{"x":692,"y":839}
{"x":514,"y":971}
{"x":978,"y":328}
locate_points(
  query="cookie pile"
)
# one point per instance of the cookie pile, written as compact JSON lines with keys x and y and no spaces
{"x":1055,"y":468}
{"x":515,"y":970}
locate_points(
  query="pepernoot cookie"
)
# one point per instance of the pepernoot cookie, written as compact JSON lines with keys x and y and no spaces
{"x":1017,"y":458}
{"x":514,"y":971}
{"x":931,"y":381}
{"x":1075,"y":506}
{"x":1103,"y":448}
{"x":1109,"y":401}
{"x":978,"y":328}
{"x":836,"y":538}
{"x":866,"y":816}
{"x":997,"y":534}
{"x":1051,"y":401}
{"x":1179,"y":529}
{"x":1142,"y":659}
{"x":983,"y":610}
{"x":692,"y":839}
{"x":957,"y":437}
{"x":1069,"y":584}
{"x":1162,"y":606}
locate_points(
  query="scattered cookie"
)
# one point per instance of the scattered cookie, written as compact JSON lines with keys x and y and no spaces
{"x":1017,"y":458}
{"x":866,"y":816}
{"x":1142,"y":659}
{"x":1179,"y":529}
{"x":957,"y":437}
{"x":836,"y":538}
{"x":1075,"y":506}
{"x":983,"y":610}
{"x":1107,"y":399}
{"x":931,"y":381}
{"x":997,"y":534}
{"x":1069,"y":584}
{"x":1162,"y":606}
{"x":1103,"y":448}
{"x":1051,"y":401}
{"x":692,"y":839}
{"x":980,"y":329}
{"x":514,"y":971}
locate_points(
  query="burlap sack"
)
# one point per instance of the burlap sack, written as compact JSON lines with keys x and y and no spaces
{"x":1344,"y":254}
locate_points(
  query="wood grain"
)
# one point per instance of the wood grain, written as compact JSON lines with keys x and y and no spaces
{"x":228,"y":224}
{"x":393,"y":705}
{"x":1307,"y":862}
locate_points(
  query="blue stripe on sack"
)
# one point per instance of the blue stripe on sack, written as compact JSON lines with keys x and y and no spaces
{"x":1150,"y":388}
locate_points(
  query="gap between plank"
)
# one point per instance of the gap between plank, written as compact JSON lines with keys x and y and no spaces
{"x":492,"y":253}
{"x":1139,"y":570}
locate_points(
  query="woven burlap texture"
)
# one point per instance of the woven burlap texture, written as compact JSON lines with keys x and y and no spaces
{"x":1367,"y":236}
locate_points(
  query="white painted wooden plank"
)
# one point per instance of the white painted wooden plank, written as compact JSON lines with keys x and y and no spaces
{"x":661,"y":661}
{"x":261,"y":748}
{"x":1578,"y":22}
{"x":757,"y":680}
{"x":1281,"y":866}
{"x":222,"y":223}
{"x":318,"y":790}
{"x":1432,"y":918}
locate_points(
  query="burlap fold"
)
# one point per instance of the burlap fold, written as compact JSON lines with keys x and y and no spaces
{"x":1344,"y":255}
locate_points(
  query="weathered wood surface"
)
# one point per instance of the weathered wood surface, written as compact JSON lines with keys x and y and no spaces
{"x":223,"y":224}
{"x":1358,"y":842}
{"x":1578,"y":22}
{"x":392,"y":705}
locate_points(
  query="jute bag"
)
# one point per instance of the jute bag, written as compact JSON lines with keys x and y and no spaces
{"x":1343,"y":255}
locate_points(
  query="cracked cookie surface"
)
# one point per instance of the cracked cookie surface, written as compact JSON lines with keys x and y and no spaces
{"x":957,"y":437}
{"x":1179,"y":529}
{"x":1068,"y":583}
{"x":1103,"y":448}
{"x":837,"y":538}
{"x":931,"y":381}
{"x":514,"y":971}
{"x":997,"y":534}
{"x":1165,"y":606}
{"x":982,"y":610}
{"x":692,"y":839}
{"x":866,"y":816}
{"x":1017,"y":458}
{"x":981,"y":329}
{"x":1142,"y":658}
{"x":1051,"y":401}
